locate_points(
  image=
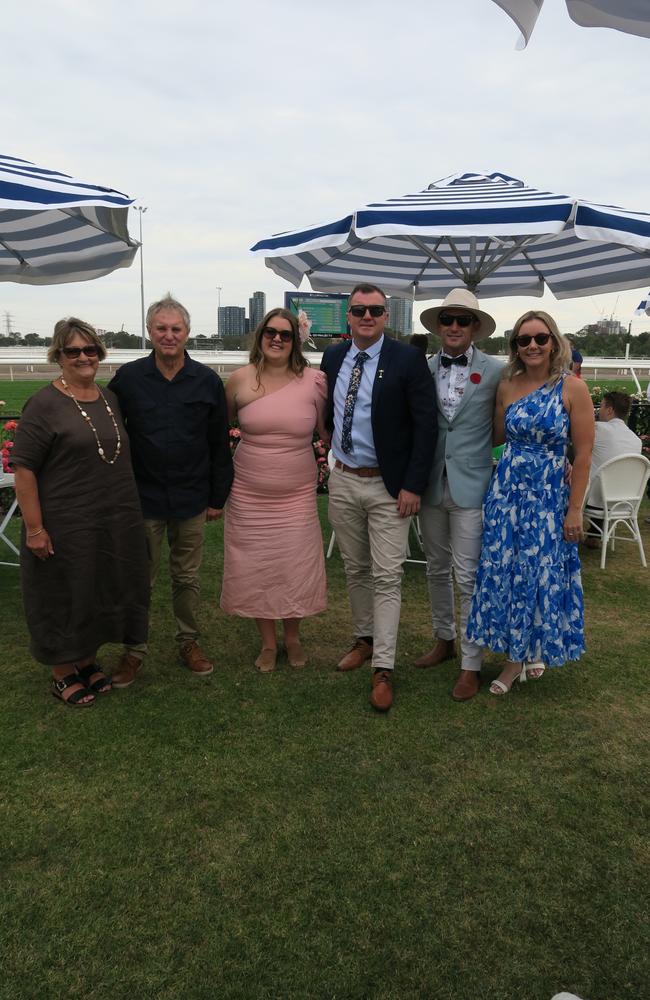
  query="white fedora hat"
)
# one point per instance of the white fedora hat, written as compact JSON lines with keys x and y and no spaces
{"x":460,"y":298}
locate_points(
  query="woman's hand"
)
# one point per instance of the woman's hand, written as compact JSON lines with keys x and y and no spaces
{"x":573,"y":526}
{"x":39,"y":544}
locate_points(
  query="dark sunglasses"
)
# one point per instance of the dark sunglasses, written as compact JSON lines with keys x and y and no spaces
{"x":271,"y":333}
{"x":360,"y":311}
{"x":539,"y":338}
{"x":446,"y":319}
{"x":91,"y":351}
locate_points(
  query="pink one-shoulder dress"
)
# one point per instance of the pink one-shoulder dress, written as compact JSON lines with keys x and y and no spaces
{"x":273,"y":553}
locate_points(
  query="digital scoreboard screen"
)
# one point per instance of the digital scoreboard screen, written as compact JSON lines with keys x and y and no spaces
{"x":327,"y":312}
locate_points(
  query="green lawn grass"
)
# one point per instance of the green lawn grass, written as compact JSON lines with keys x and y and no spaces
{"x":247,"y":836}
{"x":15,"y":394}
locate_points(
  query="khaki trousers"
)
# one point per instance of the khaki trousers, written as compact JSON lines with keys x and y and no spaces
{"x":372,"y":539}
{"x":185,"y":540}
{"x":451,"y":537}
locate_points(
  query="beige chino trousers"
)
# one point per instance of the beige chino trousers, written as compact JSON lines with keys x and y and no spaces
{"x":372,"y":539}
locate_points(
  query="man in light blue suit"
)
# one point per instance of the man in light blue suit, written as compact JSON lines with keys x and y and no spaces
{"x":451,"y":512}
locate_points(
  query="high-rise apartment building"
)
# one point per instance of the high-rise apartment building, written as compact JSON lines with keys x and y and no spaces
{"x":232,"y":321}
{"x":256,"y":308}
{"x":400,"y":315}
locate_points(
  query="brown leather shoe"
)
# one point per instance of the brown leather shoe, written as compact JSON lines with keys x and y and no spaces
{"x":381,"y":697}
{"x":127,"y":668}
{"x":359,"y":653}
{"x":444,"y":649}
{"x":195,"y":659}
{"x":467,"y":685}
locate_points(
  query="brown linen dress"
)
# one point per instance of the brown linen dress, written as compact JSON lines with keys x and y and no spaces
{"x":95,"y":588}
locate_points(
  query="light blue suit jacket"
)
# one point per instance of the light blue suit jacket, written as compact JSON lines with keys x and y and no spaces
{"x":464,"y":444}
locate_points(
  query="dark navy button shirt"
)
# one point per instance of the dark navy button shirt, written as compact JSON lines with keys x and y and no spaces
{"x":178,"y":431}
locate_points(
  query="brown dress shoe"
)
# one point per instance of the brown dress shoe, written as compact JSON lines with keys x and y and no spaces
{"x":195,"y":659}
{"x":127,"y":668}
{"x":444,"y":649}
{"x":359,"y":653}
{"x":467,"y":685}
{"x":381,"y":697}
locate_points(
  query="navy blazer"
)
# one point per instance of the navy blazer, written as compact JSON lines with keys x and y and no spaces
{"x":403,"y":413}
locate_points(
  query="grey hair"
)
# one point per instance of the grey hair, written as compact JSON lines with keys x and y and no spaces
{"x":168,"y":302}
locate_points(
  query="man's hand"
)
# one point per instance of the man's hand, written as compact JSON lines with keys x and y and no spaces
{"x":213,"y":514}
{"x":407,"y":503}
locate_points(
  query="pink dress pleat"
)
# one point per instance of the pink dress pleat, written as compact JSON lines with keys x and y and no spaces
{"x":273,"y":554}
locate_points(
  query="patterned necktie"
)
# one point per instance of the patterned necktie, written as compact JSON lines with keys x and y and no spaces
{"x":350,"y":401}
{"x":448,"y":362}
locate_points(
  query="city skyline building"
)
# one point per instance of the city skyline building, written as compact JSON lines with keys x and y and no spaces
{"x":400,"y":315}
{"x":256,"y":309}
{"x":232,"y":321}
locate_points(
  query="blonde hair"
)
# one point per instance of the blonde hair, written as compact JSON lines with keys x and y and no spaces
{"x":65,"y":329}
{"x":560,"y":353}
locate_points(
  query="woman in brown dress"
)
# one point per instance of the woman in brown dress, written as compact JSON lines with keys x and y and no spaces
{"x":84,"y":567}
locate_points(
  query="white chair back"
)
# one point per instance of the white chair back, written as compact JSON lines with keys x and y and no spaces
{"x":622,"y":482}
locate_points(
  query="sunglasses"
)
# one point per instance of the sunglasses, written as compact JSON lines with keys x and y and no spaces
{"x":360,"y":311}
{"x":271,"y":333}
{"x":91,"y":351}
{"x":446,"y":319}
{"x":539,"y":338}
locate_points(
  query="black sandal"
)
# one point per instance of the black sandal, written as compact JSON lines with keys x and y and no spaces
{"x":73,"y":700}
{"x":103,"y":683}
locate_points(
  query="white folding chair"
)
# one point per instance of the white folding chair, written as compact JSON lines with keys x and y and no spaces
{"x":622,"y":483}
{"x":7,"y":480}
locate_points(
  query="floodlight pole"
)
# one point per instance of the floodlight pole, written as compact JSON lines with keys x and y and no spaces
{"x":141,"y":210}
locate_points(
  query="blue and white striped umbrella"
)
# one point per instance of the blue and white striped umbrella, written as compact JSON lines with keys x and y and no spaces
{"x":54,"y":228}
{"x":490,"y":232}
{"x":643,"y":308}
{"x":629,"y":16}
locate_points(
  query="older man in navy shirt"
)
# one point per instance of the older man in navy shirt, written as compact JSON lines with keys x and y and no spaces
{"x":174,"y":410}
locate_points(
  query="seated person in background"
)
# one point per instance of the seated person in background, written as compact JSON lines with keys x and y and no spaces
{"x":613,"y":438}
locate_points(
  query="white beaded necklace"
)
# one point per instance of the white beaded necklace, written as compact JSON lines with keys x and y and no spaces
{"x":100,"y":450}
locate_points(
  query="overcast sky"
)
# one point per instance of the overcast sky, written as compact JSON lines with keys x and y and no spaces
{"x":232,"y":121}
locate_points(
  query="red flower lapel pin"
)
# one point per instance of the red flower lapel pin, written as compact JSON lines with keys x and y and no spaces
{"x":475,"y":378}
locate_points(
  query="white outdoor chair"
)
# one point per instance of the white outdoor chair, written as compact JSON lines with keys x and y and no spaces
{"x":7,"y":480}
{"x":415,"y":527}
{"x":622,"y":484}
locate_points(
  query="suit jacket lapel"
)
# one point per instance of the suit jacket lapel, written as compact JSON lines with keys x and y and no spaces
{"x":383,"y":362}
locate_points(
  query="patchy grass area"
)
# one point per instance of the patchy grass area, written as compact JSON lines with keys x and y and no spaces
{"x":245,"y":836}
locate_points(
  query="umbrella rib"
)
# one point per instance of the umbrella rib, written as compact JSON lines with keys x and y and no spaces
{"x":432,"y":255}
{"x":517,"y":247}
{"x":95,"y":225}
{"x":14,"y":253}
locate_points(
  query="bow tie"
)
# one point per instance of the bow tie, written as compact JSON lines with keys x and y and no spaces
{"x":448,"y":362}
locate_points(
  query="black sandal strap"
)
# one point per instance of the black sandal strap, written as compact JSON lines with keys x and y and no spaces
{"x":102,"y":682}
{"x":63,"y":683}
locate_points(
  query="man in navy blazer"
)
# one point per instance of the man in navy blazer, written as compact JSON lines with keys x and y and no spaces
{"x":381,"y":412}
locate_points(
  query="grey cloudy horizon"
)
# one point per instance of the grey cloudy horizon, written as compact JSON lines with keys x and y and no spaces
{"x":232,"y":122}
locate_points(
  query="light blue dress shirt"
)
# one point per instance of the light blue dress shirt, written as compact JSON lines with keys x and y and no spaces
{"x":363,"y":446}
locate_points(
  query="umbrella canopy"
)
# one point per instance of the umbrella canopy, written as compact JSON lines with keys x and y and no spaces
{"x":630,"y":16}
{"x":643,"y":308}
{"x":54,"y":228}
{"x":490,"y":232}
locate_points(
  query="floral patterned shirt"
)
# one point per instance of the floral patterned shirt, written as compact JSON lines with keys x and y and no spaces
{"x":451,"y":383}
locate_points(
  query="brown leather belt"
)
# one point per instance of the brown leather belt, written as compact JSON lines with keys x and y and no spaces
{"x":365,"y":472}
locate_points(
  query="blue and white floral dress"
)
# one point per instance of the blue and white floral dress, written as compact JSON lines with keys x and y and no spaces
{"x":527,"y":599}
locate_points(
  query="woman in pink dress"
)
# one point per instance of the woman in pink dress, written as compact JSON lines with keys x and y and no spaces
{"x":273,"y":557}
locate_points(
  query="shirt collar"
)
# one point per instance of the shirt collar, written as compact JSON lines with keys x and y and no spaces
{"x":371,"y":351}
{"x":190,"y":366}
{"x":468,"y":354}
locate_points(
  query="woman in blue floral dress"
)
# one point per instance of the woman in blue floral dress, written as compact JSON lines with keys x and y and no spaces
{"x":528,"y":596}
